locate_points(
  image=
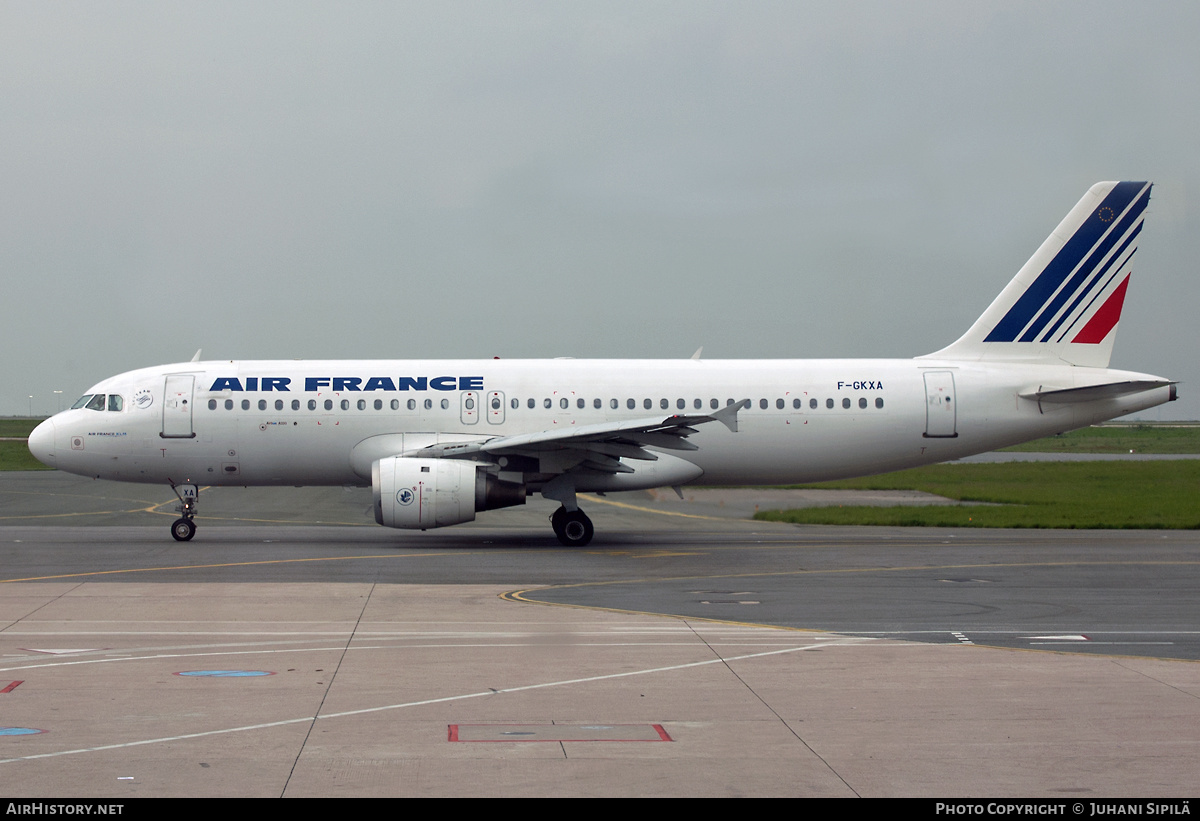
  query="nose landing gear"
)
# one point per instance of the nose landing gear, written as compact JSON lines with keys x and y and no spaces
{"x":183,"y":528}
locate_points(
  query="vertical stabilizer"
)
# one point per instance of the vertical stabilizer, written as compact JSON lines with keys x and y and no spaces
{"x":1064,"y":303}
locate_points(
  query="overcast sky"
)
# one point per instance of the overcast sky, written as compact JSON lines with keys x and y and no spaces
{"x":521,"y":179}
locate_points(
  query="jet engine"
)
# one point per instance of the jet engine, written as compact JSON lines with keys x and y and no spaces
{"x":422,"y":493}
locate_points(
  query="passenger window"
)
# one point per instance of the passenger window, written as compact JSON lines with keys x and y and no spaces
{"x":779,"y":404}
{"x":395,"y":404}
{"x":469,"y":403}
{"x":295,"y":404}
{"x":362,"y":404}
{"x":846,"y":402}
{"x":563,"y":403}
{"x":328,"y":404}
{"x":812,"y":403}
{"x":762,"y":403}
{"x":531,"y":404}
{"x":378,"y":404}
{"x":664,"y":404}
{"x":278,"y":404}
{"x":496,"y":403}
{"x":697,"y":404}
{"x":796,"y":404}
{"x":829,"y":403}
{"x":97,"y":403}
{"x":428,"y":404}
{"x":262,"y":404}
{"x":312,"y":404}
{"x":514,"y":404}
{"x":614,"y":404}
{"x":546,"y":403}
{"x":445,"y":404}
{"x":713,"y":403}
{"x":245,"y":404}
{"x":862,"y":402}
{"x":212,"y":405}
{"x":412,"y":404}
{"x":647,"y":404}
{"x":228,"y":404}
{"x":596,"y":403}
{"x":115,"y":403}
{"x":345,"y":404}
{"x":879,"y":402}
{"x":579,"y":403}
{"x":631,"y":403}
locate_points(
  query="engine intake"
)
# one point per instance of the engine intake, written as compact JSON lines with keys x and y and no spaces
{"x":419,"y":494}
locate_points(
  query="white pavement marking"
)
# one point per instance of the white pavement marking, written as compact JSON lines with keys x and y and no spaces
{"x":401,"y":706}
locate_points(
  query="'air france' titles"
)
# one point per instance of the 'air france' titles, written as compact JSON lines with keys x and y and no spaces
{"x":340,"y":384}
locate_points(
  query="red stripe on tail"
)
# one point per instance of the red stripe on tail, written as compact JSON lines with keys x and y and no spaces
{"x":1105,"y":319}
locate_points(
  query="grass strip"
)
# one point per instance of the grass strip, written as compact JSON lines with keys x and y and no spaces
{"x":18,"y":426}
{"x":1119,"y":439}
{"x":1088,"y":495}
{"x":16,"y":456}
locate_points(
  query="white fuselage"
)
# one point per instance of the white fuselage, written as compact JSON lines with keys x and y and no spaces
{"x":439,"y":441}
{"x":297,"y":422}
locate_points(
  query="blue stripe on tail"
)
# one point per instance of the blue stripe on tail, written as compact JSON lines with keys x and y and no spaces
{"x":1081,"y":243}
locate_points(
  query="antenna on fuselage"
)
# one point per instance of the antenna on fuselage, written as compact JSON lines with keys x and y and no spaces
{"x":196,"y":358}
{"x":696,"y":355}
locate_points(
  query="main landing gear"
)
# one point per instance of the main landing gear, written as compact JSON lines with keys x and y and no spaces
{"x":572,"y":527}
{"x":183,"y":528}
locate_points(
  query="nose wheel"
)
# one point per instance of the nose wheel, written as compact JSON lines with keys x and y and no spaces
{"x":183,"y":528}
{"x":572,"y":527}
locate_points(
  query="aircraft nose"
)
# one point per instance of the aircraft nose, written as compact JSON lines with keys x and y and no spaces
{"x":41,"y":443}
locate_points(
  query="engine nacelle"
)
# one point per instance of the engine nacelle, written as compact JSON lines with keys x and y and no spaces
{"x":422,"y":493}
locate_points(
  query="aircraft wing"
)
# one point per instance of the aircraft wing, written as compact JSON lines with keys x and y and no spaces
{"x":599,"y":447}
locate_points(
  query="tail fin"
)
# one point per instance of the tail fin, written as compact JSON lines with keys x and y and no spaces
{"x":1064,"y":303}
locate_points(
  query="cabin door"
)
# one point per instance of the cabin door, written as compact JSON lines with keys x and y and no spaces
{"x":941,"y":405}
{"x":177,"y":407}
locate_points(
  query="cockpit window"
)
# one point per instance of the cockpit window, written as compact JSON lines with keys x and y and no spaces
{"x":97,"y":402}
{"x":115,"y":402}
{"x":83,"y":400}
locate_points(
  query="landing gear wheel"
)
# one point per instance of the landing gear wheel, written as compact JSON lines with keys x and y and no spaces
{"x":573,"y":528}
{"x":183,"y":530}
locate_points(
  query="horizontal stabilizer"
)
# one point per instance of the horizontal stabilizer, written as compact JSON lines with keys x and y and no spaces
{"x":1088,"y":393}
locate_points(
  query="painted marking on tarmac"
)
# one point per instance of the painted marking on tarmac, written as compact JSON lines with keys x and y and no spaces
{"x":49,"y":651}
{"x":20,"y":731}
{"x":653,"y":554}
{"x":628,"y":506}
{"x":556,"y":733}
{"x":962,"y":639}
{"x":1069,"y":637}
{"x":426,"y":645}
{"x":230,"y":564}
{"x":225,"y":673}
{"x":153,"y":508}
{"x":12,"y":686}
{"x":426,"y":702}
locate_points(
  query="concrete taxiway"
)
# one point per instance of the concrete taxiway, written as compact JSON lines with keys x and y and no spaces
{"x":293,"y":648}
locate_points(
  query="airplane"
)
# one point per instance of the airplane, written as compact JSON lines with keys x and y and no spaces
{"x":440,"y":441}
